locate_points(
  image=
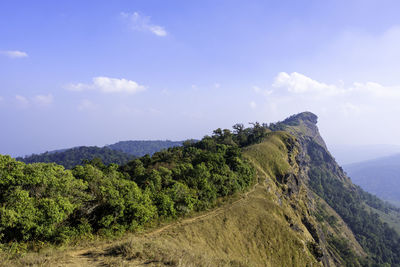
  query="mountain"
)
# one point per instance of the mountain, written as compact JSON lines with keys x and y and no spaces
{"x":348,"y":154}
{"x":268,"y":195}
{"x":379,"y":176}
{"x":141,"y":148}
{"x":329,"y":184}
{"x":118,"y":153}
{"x":69,"y":158}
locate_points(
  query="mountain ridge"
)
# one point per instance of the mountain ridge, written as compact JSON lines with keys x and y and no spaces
{"x":119,"y":153}
{"x":304,"y":210}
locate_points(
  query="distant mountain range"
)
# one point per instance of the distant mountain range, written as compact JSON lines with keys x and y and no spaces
{"x":348,"y":154}
{"x":69,"y":158}
{"x":118,"y":153}
{"x":141,"y":148}
{"x":378,"y":176}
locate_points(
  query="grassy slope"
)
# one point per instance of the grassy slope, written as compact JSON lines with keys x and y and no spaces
{"x":254,"y":231}
{"x":262,"y":228}
{"x":265,"y":229}
{"x":273,"y":156}
{"x":251,"y":232}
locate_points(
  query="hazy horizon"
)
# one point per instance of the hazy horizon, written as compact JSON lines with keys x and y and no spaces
{"x":97,"y":72}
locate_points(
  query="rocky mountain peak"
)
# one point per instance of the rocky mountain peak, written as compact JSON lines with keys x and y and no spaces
{"x":303,"y":125}
{"x":307,"y":117}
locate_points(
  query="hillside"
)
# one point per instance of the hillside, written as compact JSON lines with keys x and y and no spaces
{"x":119,"y":153}
{"x":69,"y":158}
{"x":141,"y":148}
{"x":259,"y":196}
{"x":379,"y":176}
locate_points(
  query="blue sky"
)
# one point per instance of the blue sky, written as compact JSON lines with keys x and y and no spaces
{"x":97,"y":72}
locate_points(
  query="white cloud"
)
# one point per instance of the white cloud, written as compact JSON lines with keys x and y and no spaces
{"x":78,"y":87}
{"x":43,"y":100}
{"x":112,"y":85}
{"x":86,"y":105}
{"x":298,"y":83}
{"x":217,"y":85}
{"x":261,"y":91}
{"x":22,"y":101}
{"x":108,"y":85}
{"x":358,"y":107}
{"x":157,"y":30}
{"x":253,"y":105}
{"x":14,"y":53}
{"x":376,"y":89}
{"x":140,"y":22}
{"x":37,"y":100}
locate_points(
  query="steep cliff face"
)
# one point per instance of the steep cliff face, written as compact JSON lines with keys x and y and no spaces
{"x":290,"y":170}
{"x":348,"y":233}
{"x":320,"y":219}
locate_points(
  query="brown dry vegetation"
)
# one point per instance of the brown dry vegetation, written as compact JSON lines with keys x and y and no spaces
{"x":252,"y":232}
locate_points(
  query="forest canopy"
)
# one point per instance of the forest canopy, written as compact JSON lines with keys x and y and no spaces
{"x":46,"y":202}
{"x":69,"y":158}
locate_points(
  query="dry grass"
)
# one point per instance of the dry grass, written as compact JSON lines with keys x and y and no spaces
{"x":48,"y":258}
{"x":263,"y":228}
{"x":253,"y":232}
{"x":271,"y":155}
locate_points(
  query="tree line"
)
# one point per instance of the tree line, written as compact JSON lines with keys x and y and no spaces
{"x":46,"y":202}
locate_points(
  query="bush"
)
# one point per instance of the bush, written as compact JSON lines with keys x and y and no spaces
{"x":45,"y":202}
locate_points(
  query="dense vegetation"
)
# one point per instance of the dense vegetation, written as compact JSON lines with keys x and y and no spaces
{"x":69,"y":158}
{"x":141,"y":148}
{"x":377,"y":238}
{"x":45,"y":202}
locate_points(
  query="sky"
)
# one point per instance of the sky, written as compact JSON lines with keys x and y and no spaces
{"x":96,"y":72}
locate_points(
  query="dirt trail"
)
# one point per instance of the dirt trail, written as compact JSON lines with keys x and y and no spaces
{"x":93,"y":256}
{"x":78,"y":258}
{"x":203,"y":216}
